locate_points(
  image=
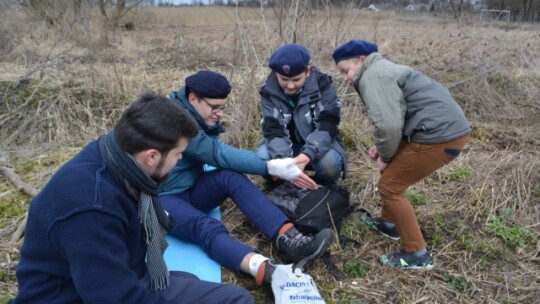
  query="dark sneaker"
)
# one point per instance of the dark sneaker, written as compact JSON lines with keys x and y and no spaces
{"x":301,"y":249}
{"x":405,"y":260}
{"x":264,"y":274}
{"x":377,"y":224}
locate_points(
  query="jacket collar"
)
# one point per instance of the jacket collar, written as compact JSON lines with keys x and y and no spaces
{"x":373,"y":57}
{"x":311,"y":86}
{"x":181,"y":98}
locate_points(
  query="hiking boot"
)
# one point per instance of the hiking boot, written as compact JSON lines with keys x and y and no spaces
{"x":404,"y":260}
{"x":265,"y":271}
{"x":301,"y":249}
{"x":377,"y":224}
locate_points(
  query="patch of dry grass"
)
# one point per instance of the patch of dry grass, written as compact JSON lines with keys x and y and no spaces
{"x":480,"y":214}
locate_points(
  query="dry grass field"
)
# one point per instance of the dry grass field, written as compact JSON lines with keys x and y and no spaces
{"x":61,"y":86}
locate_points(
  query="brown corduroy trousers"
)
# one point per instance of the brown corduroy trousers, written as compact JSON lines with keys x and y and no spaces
{"x":412,"y":163}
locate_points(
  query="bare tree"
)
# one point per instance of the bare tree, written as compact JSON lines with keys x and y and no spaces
{"x":121,"y":8}
{"x":457,"y":8}
{"x":51,"y":11}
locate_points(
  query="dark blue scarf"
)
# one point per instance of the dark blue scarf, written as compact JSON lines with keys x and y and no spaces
{"x":143,"y":189}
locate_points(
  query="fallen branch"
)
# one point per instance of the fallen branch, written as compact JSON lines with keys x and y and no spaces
{"x":17,"y":181}
{"x":17,"y":235}
{"x":21,"y":186}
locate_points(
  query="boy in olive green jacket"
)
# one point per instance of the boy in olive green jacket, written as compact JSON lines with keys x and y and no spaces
{"x":418,"y":128}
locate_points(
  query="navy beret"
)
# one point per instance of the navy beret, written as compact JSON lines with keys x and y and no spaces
{"x":289,"y":60}
{"x":208,"y":84}
{"x":354,"y":48}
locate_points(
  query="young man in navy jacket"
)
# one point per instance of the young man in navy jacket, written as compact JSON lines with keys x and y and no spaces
{"x":95,"y":232}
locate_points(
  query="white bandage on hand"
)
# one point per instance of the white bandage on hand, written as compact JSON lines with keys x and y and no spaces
{"x":284,"y":168}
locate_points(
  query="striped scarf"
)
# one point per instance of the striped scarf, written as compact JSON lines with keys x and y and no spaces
{"x":143,"y":189}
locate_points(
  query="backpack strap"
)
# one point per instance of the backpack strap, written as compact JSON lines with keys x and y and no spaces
{"x":328,"y":259}
{"x":331,"y":265}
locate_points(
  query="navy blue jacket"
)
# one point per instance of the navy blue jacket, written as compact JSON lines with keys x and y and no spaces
{"x":83,"y":241}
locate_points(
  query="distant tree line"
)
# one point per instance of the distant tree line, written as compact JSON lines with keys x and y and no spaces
{"x":521,"y":10}
{"x":115,"y":10}
{"x":53,"y":10}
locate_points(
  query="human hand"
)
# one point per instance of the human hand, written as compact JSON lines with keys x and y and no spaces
{"x":381,"y":165}
{"x":303,"y":181}
{"x":302,"y":161}
{"x":284,"y":168}
{"x":373,"y":153}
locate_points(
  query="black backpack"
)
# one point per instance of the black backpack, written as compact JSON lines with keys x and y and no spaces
{"x":312,"y":210}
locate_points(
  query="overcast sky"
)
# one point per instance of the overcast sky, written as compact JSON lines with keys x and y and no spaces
{"x":187,"y":1}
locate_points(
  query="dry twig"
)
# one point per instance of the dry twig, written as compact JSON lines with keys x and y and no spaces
{"x":21,"y":186}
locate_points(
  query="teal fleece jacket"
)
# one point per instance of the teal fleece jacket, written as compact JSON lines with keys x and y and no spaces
{"x":207,"y":148}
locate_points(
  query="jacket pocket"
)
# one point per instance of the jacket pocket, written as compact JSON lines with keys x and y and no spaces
{"x":287,"y":118}
{"x":375,"y":117}
{"x":452,"y":152}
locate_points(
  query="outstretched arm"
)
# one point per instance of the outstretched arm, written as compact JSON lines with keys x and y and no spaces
{"x":287,"y":169}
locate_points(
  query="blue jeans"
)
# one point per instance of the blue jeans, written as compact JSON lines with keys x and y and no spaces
{"x":327,"y":169}
{"x":189,"y":210}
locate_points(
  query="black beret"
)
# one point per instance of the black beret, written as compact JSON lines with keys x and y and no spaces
{"x":208,"y":84}
{"x":289,"y":60}
{"x":354,"y":48}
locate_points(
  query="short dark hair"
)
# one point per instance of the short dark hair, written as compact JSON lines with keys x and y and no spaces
{"x":153,"y":122}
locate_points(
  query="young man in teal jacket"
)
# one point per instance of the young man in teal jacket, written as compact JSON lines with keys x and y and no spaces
{"x":95,"y":232}
{"x":418,"y":128}
{"x":190,"y":191}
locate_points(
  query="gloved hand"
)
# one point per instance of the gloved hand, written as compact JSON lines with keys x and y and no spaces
{"x":284,"y":168}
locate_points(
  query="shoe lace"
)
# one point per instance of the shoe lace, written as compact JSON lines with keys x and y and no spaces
{"x":297,"y":239}
{"x":411,"y":257}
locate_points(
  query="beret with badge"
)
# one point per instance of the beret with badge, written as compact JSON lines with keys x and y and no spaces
{"x":208,"y":84}
{"x":289,"y":60}
{"x":354,"y":48}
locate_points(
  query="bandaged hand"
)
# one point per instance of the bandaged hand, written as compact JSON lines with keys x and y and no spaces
{"x":284,"y":168}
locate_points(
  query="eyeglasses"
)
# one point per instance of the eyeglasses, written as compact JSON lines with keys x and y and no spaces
{"x":215,"y":108}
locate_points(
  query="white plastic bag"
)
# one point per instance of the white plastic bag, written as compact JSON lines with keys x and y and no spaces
{"x":294,"y":287}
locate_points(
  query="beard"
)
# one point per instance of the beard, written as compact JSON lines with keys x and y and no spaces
{"x":157,"y":176}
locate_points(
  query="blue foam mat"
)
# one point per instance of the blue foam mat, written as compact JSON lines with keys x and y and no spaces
{"x":186,"y":256}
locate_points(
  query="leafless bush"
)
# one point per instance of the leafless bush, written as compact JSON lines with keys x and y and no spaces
{"x":52,"y":12}
{"x":6,"y":40}
{"x":37,"y":114}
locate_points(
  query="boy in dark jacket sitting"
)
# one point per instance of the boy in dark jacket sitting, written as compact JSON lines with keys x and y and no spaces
{"x":300,"y":115}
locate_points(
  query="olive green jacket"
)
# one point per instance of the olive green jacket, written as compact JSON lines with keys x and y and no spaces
{"x":402,"y":103}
